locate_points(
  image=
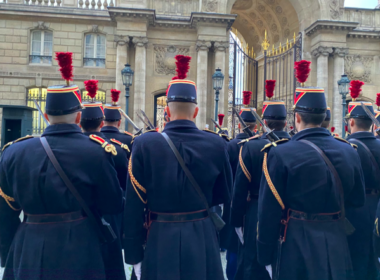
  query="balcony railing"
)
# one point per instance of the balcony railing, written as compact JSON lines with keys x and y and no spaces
{"x":94,"y":62}
{"x":56,"y":3}
{"x":83,"y":4}
{"x":40,"y":59}
{"x":99,"y":5}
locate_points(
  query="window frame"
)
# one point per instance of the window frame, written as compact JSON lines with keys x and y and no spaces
{"x":42,"y":48}
{"x":94,"y":58}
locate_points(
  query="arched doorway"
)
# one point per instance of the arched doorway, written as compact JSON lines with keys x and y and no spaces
{"x":159,"y":107}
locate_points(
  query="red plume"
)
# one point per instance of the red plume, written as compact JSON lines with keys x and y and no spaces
{"x":270,"y":85}
{"x":247,"y":97}
{"x":65,"y":61}
{"x":378,"y":100}
{"x":355,"y":88}
{"x":332,"y":129}
{"x":115,"y":94}
{"x":220,"y":119}
{"x":91,"y":87}
{"x":303,"y":69}
{"x":291,"y":127}
{"x":183,"y":66}
{"x":346,"y":128}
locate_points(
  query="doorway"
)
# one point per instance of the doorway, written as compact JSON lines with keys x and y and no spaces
{"x":159,"y":109}
{"x":12,"y":130}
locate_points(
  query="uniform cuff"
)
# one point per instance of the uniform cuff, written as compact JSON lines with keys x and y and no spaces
{"x":265,"y":252}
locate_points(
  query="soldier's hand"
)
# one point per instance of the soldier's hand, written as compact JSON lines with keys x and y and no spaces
{"x":269,"y":269}
{"x":239,"y":232}
{"x":137,"y":269}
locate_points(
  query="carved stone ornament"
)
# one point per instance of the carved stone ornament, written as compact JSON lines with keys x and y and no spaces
{"x":165,"y":61}
{"x":342,"y":52}
{"x":242,"y":4}
{"x":335,"y":9}
{"x":121,"y":40}
{"x":202,"y":46}
{"x":325,"y":51}
{"x":210,"y":6}
{"x":221,"y":46}
{"x":140,"y":41}
{"x":95,"y":29}
{"x":41,"y":25}
{"x":358,"y":67}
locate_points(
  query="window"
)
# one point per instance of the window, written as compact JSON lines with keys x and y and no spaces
{"x":100,"y":96}
{"x":38,"y":94}
{"x":94,"y":50}
{"x":42,"y":47}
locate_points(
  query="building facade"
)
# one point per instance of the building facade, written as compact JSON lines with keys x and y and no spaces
{"x":104,"y":35}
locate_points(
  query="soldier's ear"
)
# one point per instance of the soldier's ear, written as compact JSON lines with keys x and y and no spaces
{"x":119,"y":123}
{"x":46,"y":117}
{"x":168,"y":111}
{"x":195,"y":112}
{"x":101,"y":124}
{"x":77,"y":119}
{"x":298,"y":118}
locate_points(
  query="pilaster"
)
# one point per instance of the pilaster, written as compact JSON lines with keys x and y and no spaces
{"x":221,"y":56}
{"x":322,"y":55}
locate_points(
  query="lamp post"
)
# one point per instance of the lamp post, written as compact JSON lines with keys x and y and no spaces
{"x":343,"y":86}
{"x":127,"y":76}
{"x":217,"y":82}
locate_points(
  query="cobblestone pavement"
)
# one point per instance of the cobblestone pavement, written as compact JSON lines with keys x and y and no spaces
{"x":128,"y":268}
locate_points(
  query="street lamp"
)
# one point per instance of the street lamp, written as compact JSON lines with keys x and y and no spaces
{"x":217,"y":83}
{"x":343,"y":86}
{"x":127,"y":76}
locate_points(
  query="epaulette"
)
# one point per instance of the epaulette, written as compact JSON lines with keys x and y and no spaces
{"x":208,"y":130}
{"x":123,"y":146}
{"x":128,"y":133}
{"x":220,"y":134}
{"x":274,"y":144}
{"x":150,"y":130}
{"x":345,"y":141}
{"x":249,"y":139}
{"x":109,"y":148}
{"x":18,"y":140}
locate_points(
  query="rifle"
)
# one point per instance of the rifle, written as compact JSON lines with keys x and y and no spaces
{"x":146,"y":123}
{"x":270,"y":134}
{"x":221,"y":130}
{"x":40,"y":111}
{"x":147,"y":119}
{"x":372,"y":117}
{"x":243,"y":124}
{"x":139,"y":130}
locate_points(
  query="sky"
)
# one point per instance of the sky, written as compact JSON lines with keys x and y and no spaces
{"x":361,"y":3}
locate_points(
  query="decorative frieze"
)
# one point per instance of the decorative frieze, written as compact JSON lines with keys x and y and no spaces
{"x":140,"y":41}
{"x":358,"y":67}
{"x":221,"y":46}
{"x":202,"y":45}
{"x":164,"y":58}
{"x":324,"y":51}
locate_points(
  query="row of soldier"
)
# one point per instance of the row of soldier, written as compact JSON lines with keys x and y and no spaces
{"x":296,"y":208}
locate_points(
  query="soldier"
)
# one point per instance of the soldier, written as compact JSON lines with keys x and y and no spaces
{"x":307,"y":182}
{"x":246,"y":190}
{"x":56,"y":239}
{"x":326,"y":122}
{"x":112,"y":121}
{"x":92,"y":120}
{"x":228,"y":236}
{"x":182,"y":241}
{"x":360,"y":242}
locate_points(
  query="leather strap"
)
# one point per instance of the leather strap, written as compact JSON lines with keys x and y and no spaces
{"x":335,"y":174}
{"x":54,"y":218}
{"x":187,"y":171}
{"x":68,"y":183}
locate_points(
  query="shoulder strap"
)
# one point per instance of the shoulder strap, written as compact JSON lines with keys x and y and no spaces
{"x":374,"y":162}
{"x":186,"y":170}
{"x":333,"y":171}
{"x":67,"y":181}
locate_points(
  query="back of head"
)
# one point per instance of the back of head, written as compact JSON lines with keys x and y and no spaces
{"x":63,"y":119}
{"x":91,"y":125}
{"x":276,"y":125}
{"x":182,"y":110}
{"x":310,"y":119}
{"x":325,"y":124}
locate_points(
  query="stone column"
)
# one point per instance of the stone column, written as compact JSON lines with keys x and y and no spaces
{"x":322,"y":55}
{"x":121,"y":60}
{"x":139,"y":78}
{"x":339,"y":54}
{"x":202,"y":48}
{"x":220,"y":62}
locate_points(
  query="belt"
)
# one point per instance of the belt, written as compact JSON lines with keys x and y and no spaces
{"x":54,"y":218}
{"x":178,"y":217}
{"x":372,"y":191}
{"x":314,"y":217}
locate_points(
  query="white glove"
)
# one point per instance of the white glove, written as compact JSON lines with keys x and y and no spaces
{"x":137,"y":268}
{"x":269,"y":269}
{"x":239,"y":232}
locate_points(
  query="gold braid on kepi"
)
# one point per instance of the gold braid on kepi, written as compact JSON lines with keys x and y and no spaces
{"x":135,"y":182}
{"x":270,"y":183}
{"x":8,"y":200}
{"x":243,"y":167}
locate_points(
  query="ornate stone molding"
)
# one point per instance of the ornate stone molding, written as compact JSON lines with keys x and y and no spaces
{"x":95,"y":28}
{"x":341,"y":52}
{"x":336,"y":10}
{"x":210,"y":6}
{"x":140,"y":41}
{"x":164,"y":58}
{"x":330,"y":25}
{"x":121,"y":40}
{"x":358,"y":67}
{"x":324,"y":51}
{"x":202,"y":45}
{"x":41,"y":25}
{"x":221,"y":46}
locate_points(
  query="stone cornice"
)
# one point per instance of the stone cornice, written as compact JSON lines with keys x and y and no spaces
{"x":364,"y":34}
{"x":55,"y":76}
{"x":330,"y":24}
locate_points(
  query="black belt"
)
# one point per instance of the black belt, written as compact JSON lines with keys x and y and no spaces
{"x":178,"y":217}
{"x":314,"y":217}
{"x":372,"y":191}
{"x":54,"y":218}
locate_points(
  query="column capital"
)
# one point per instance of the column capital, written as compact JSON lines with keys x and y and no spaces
{"x":121,"y":40}
{"x":202,"y":45}
{"x":140,"y":41}
{"x":324,"y":51}
{"x":341,"y":52}
{"x":221,"y":46}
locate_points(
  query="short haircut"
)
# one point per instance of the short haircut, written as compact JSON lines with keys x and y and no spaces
{"x":111,"y":123}
{"x":325,"y":124}
{"x":182,"y":108}
{"x":276,"y":125}
{"x":363,"y":124}
{"x":251,"y":125}
{"x":312,"y":119}
{"x":69,"y":118}
{"x":90,"y":125}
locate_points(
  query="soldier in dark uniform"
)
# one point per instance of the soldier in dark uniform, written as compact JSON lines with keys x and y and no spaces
{"x":299,"y":190}
{"x":182,"y":240}
{"x":246,"y":190}
{"x":112,"y":121}
{"x":92,"y":120}
{"x":363,"y":218}
{"x":56,"y":240}
{"x":228,"y":236}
